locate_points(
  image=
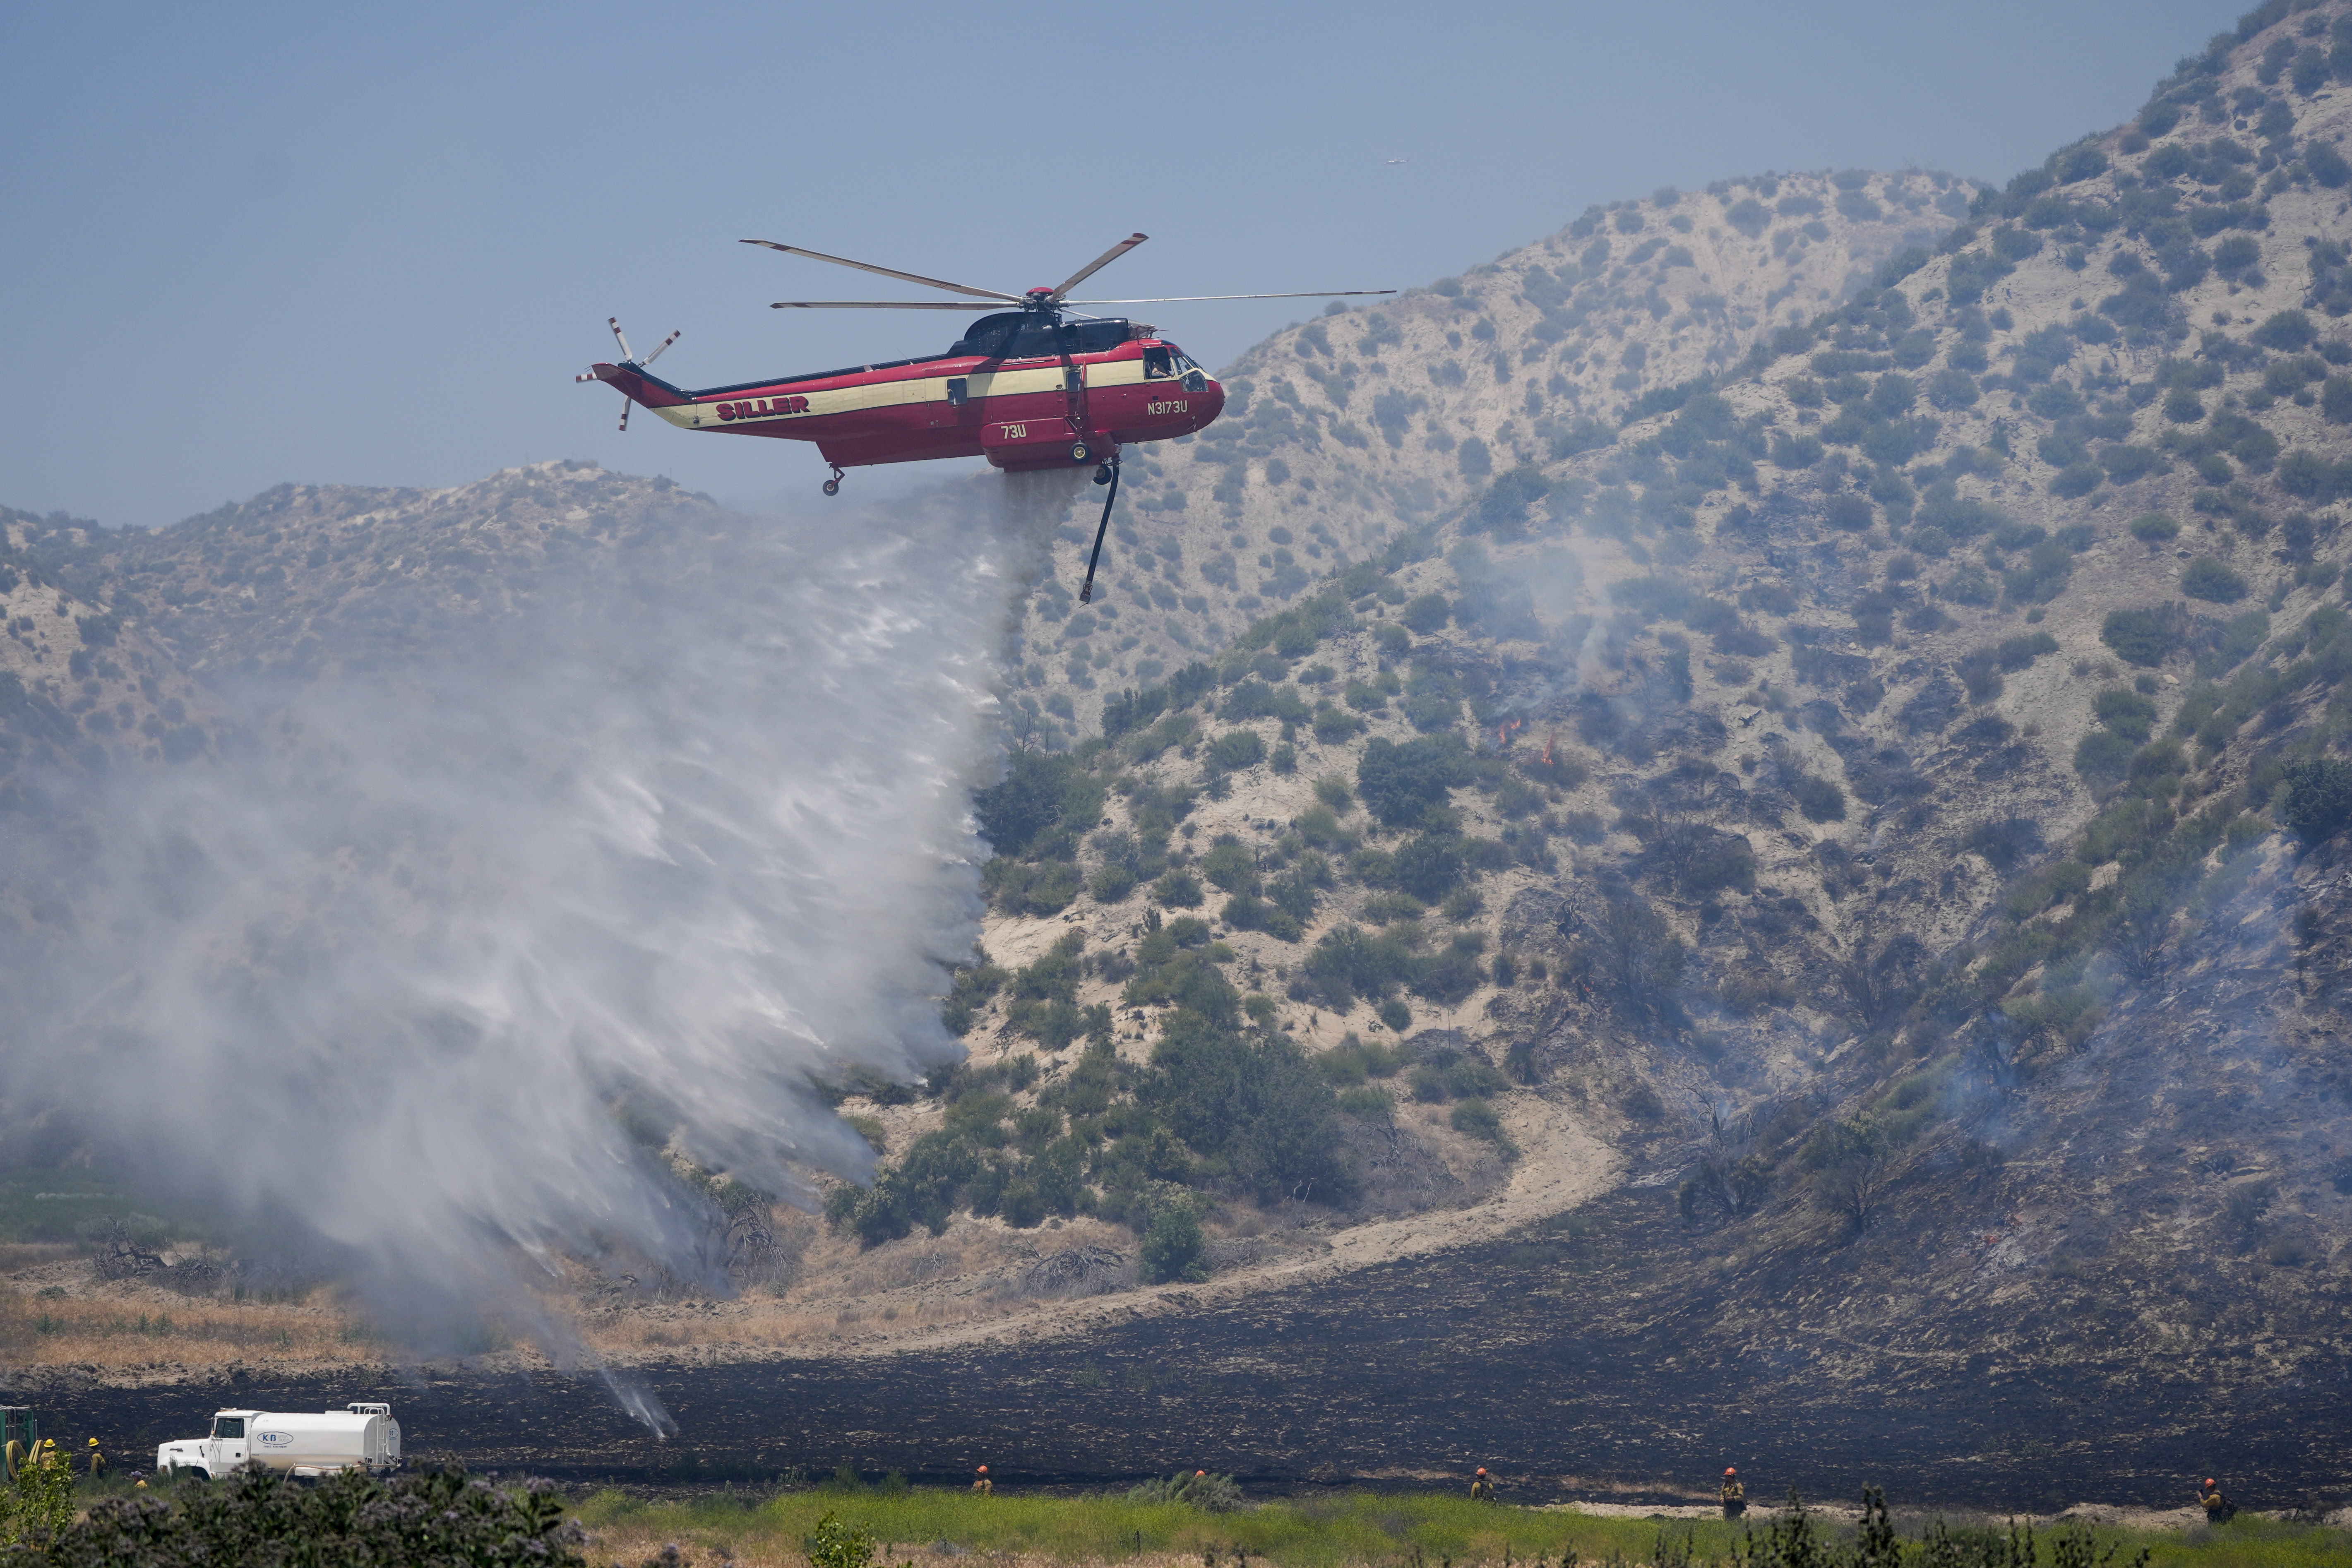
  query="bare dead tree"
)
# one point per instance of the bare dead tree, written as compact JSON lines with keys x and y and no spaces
{"x":120,"y":1258}
{"x":1881,"y":983}
{"x":1643,"y":958}
{"x":1852,"y":1169}
{"x":2142,"y":932}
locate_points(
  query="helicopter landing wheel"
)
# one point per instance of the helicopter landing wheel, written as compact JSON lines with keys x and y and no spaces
{"x":832,"y":487}
{"x":1102,"y":473}
{"x":1081,"y":452}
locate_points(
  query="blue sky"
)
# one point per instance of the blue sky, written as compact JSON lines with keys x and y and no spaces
{"x":247,"y":244}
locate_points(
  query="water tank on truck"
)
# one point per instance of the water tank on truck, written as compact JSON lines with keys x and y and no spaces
{"x":360,"y":1436}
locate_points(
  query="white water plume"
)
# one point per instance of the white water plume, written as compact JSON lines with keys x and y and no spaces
{"x":692,"y":824}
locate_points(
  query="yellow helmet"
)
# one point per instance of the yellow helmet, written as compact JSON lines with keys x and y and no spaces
{"x":93,"y":1442}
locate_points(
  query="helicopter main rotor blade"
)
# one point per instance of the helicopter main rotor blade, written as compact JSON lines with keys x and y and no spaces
{"x":1098,"y":264}
{"x":889,"y":272}
{"x":883,"y":305}
{"x":1193,"y":299}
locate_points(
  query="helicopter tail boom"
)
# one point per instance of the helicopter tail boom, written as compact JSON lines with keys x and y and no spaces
{"x":640,"y":386}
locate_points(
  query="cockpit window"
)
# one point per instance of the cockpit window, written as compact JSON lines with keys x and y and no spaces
{"x":1158,"y":364}
{"x":1018,"y":335}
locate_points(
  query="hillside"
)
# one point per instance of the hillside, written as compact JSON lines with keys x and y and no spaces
{"x":1338,"y":429}
{"x":1855,"y":790}
{"x":1773,"y":754}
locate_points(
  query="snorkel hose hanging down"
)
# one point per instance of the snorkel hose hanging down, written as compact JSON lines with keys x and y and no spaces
{"x":1087,"y":590}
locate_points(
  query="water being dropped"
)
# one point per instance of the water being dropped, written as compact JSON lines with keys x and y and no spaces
{"x":687,"y":821}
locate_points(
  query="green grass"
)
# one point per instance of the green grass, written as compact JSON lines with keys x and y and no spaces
{"x":1354,"y":1527}
{"x":1344,"y":1527}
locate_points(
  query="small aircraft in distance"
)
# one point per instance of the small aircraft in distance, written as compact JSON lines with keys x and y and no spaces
{"x":1036,"y":384}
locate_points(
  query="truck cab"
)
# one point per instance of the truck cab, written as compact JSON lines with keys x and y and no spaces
{"x":221,"y":1451}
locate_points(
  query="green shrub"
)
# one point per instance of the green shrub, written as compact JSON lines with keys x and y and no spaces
{"x":37,"y":1503}
{"x":1256,"y":1109}
{"x":2206,"y":578}
{"x":1395,"y":1015}
{"x":1749,"y":215}
{"x":1194,"y":1489}
{"x":1171,"y":1246}
{"x":1455,"y":1074}
{"x":1177,"y":889}
{"x":1951,"y":388}
{"x":439,"y":1516}
{"x":1796,"y":452}
{"x":1030,"y":888}
{"x":2103,"y":757}
{"x":1478,"y":1118}
{"x":2154,"y":528}
{"x":2137,"y":636}
{"x":2289,"y":332}
{"x":2335,"y":400}
{"x":1849,"y":513}
{"x":2317,"y":797}
{"x":1235,"y":749}
{"x":1333,"y":724}
{"x":2127,"y":712}
{"x":2076,"y":480}
{"x":2043,"y":576}
{"x":1427,"y":614}
{"x":1400,"y":784}
{"x":1820,"y":800}
{"x":1351,"y":1061}
{"x":1349,"y":962}
{"x":1044,"y":795}
{"x":1509,"y":502}
{"x":1430,"y":865}
{"x":832,"y":1544}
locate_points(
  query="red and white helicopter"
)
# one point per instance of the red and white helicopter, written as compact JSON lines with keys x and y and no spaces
{"x":1036,"y":384}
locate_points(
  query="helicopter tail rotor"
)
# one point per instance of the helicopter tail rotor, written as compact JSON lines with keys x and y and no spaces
{"x":628,"y":376}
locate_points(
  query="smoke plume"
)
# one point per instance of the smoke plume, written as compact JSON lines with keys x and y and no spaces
{"x":689,"y":822}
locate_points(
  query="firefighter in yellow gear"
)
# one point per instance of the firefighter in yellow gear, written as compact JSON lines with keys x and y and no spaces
{"x":2219,"y":1509}
{"x":982,"y":1484}
{"x":97,"y":1461}
{"x":1735,"y":1495}
{"x":1482,"y":1487}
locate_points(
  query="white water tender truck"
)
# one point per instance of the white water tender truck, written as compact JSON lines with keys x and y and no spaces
{"x":360,"y":1436}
